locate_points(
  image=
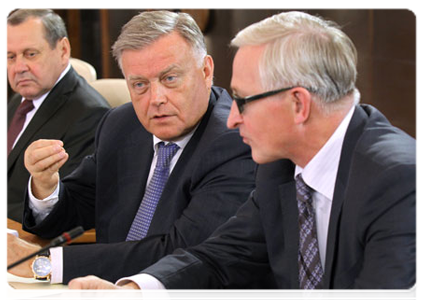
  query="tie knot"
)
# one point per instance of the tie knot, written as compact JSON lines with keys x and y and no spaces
{"x":25,"y":107}
{"x":165,"y":154}
{"x":303,"y":190}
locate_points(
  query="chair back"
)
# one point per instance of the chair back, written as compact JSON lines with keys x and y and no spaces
{"x":84,"y":69}
{"x":114,"y":90}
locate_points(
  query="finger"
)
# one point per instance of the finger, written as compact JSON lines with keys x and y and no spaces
{"x":38,"y":152}
{"x":55,"y":167}
{"x":90,"y":283}
{"x":44,"y":143}
{"x":41,"y":148}
{"x":43,"y":158}
{"x":88,"y":287}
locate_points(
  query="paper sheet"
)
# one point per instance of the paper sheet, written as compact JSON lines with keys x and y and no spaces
{"x":22,"y":288}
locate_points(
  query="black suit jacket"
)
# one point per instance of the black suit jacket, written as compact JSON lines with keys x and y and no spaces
{"x":70,"y":113}
{"x":212,"y":178}
{"x":371,"y":238}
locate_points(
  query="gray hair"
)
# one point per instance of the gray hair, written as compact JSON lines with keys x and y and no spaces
{"x":303,"y":50}
{"x":54,"y":27}
{"x":147,"y":27}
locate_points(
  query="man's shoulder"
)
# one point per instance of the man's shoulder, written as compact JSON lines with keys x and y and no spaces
{"x":220,"y":102}
{"x":87,"y":95}
{"x":384,"y":144}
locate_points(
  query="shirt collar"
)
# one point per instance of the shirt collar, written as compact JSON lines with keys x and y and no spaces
{"x":37,"y":102}
{"x":181,"y":142}
{"x":320,"y":173}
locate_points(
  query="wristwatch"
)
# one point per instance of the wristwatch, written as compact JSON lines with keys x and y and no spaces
{"x":41,"y":266}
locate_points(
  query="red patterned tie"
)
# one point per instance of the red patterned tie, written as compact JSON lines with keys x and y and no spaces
{"x":17,"y":123}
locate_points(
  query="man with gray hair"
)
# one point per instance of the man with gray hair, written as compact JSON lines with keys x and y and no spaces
{"x":166,"y":171}
{"x":51,"y":102}
{"x":334,"y":204}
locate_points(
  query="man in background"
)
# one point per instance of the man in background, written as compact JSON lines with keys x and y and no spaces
{"x":334,"y":204}
{"x":52,"y":100}
{"x":166,"y":171}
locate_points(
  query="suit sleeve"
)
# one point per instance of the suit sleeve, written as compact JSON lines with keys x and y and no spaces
{"x":235,"y":256}
{"x":389,"y":234}
{"x":80,"y":210}
{"x":221,"y":182}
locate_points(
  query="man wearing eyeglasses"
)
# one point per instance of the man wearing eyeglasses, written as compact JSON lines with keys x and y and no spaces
{"x":334,"y":204}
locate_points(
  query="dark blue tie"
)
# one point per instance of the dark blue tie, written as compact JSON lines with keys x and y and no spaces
{"x":309,"y":264}
{"x":153,"y":192}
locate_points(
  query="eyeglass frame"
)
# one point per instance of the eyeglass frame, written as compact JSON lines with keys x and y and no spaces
{"x":240,"y":102}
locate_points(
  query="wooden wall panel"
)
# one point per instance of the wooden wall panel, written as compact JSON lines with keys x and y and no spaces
{"x":385,"y":40}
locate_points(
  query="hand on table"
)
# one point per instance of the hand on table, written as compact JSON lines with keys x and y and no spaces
{"x":92,"y":287}
{"x":17,"y":249}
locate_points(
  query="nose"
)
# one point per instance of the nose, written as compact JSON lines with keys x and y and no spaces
{"x":157,"y":94}
{"x":235,"y":118}
{"x":20,"y":65}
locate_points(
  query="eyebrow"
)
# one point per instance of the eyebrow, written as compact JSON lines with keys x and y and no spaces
{"x":161,"y":73}
{"x":168,"y":69}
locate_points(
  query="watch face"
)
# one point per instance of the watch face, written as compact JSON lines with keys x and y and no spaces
{"x":42,"y":266}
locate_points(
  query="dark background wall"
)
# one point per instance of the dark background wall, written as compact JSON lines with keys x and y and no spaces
{"x":385,"y":40}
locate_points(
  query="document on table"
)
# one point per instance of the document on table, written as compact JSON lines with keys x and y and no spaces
{"x":23,"y":288}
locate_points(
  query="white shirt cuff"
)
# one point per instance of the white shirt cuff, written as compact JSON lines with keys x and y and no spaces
{"x":56,"y":257}
{"x":144,"y":281}
{"x":41,"y":208}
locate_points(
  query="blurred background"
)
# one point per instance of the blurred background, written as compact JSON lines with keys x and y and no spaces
{"x":385,"y":40}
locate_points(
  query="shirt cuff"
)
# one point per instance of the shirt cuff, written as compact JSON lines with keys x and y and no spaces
{"x":144,"y":282}
{"x":41,"y":208}
{"x":56,"y":258}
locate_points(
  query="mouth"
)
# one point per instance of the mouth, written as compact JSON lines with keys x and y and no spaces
{"x":244,"y":139}
{"x":23,"y":82}
{"x":161,"y":117}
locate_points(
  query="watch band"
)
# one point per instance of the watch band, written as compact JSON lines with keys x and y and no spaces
{"x":45,"y":253}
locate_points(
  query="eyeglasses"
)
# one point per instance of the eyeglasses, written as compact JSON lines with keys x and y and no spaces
{"x":240,"y":102}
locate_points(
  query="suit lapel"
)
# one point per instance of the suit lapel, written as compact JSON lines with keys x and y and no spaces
{"x":289,"y":207}
{"x":160,"y":222}
{"x":54,"y":101}
{"x":352,"y":135}
{"x":135,"y":159}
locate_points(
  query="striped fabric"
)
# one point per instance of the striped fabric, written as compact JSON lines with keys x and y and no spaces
{"x":309,"y":264}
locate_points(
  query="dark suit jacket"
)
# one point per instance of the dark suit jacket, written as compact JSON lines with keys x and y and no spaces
{"x":70,"y":113}
{"x":371,"y":238}
{"x":212,"y":178}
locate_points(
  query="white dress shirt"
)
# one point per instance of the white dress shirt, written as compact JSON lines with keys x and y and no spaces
{"x":41,"y":208}
{"x":320,"y":174}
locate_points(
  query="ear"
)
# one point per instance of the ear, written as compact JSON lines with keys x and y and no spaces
{"x":65,"y":49}
{"x":301,"y":104}
{"x":208,"y":70}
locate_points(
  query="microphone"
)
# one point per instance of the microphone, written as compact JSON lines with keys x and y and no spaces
{"x":65,"y":237}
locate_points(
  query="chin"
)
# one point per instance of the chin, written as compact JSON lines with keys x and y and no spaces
{"x":28,"y":93}
{"x":168,"y":136}
{"x":262,"y":159}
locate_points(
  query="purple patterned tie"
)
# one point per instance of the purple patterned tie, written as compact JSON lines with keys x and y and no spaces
{"x":309,"y":264}
{"x":142,"y":220}
{"x":17,"y":123}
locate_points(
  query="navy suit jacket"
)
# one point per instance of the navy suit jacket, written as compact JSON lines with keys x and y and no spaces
{"x":70,"y":113}
{"x":371,"y":238}
{"x":212,"y":178}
